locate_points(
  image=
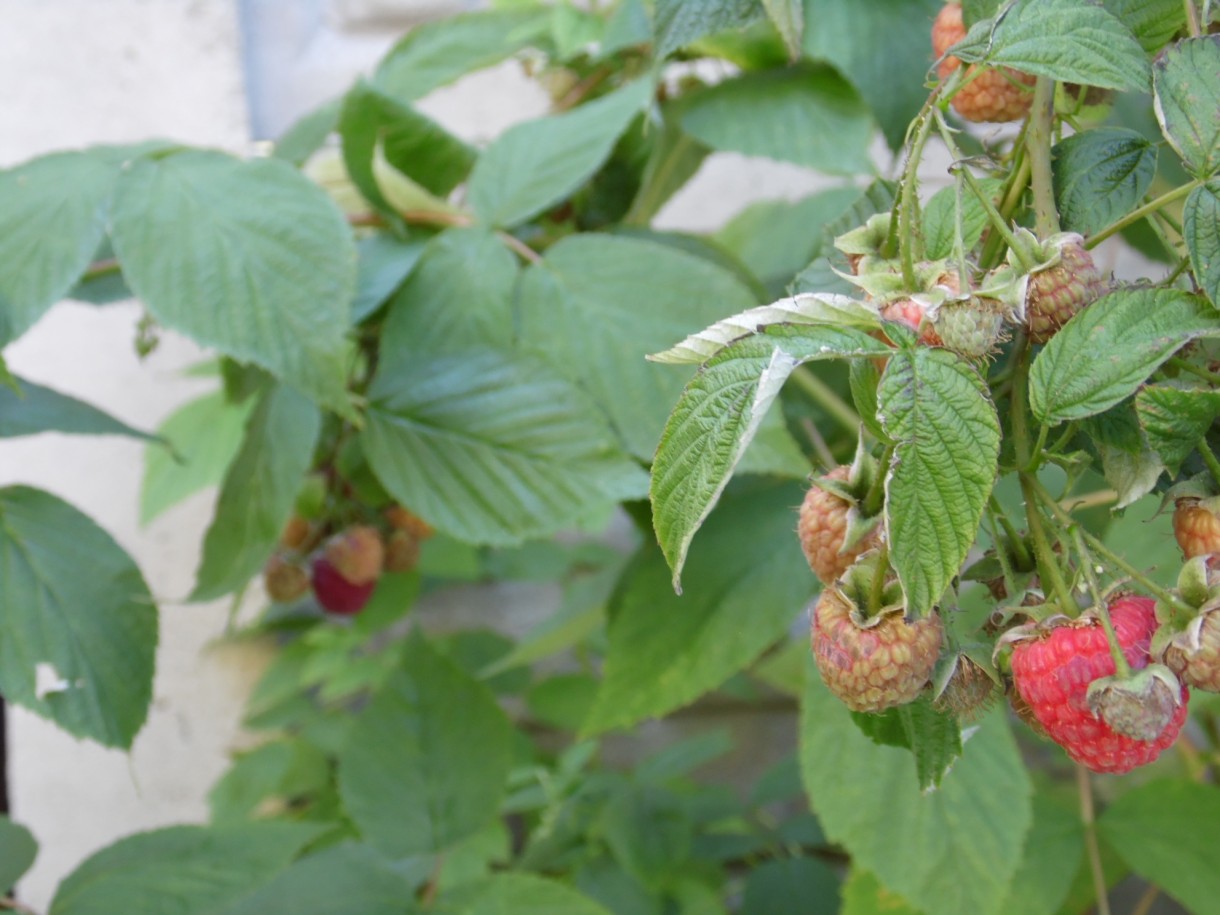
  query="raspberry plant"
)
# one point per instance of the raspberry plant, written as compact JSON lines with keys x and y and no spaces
{"x":431,"y":372}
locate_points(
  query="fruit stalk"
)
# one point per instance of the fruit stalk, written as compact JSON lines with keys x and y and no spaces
{"x":1140,"y":212}
{"x":1088,"y":819}
{"x":1121,"y":667}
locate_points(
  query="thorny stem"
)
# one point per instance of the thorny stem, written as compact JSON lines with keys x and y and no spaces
{"x":1209,"y":458}
{"x":818,"y":442}
{"x":1089,"y":821}
{"x":1144,"y":905}
{"x":825,"y":397}
{"x":1038,"y":146}
{"x":1048,"y":568}
{"x":1192,"y":19}
{"x":1121,"y":667}
{"x":997,"y":221}
{"x":1016,"y":189}
{"x":1140,"y":212}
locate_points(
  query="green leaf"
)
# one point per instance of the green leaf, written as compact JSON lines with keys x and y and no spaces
{"x":1137,"y":329}
{"x":78,"y":628}
{"x":1129,"y":464}
{"x":1201,"y":230}
{"x":808,"y":116}
{"x":490,"y":447}
{"x":776,"y":238}
{"x":459,"y":296}
{"x":308,"y":134}
{"x":1101,"y":175}
{"x":597,"y":305}
{"x":249,"y":257}
{"x":1167,"y":831}
{"x":1187,"y":99}
{"x":864,"y":895}
{"x":385,"y":262}
{"x":940,"y":219}
{"x":1174,"y":419}
{"x":53,"y":214}
{"x":717,"y":415}
{"x":1152,"y":22}
{"x":1065,"y":40}
{"x":649,"y":831}
{"x":933,"y":737}
{"x":437,"y":53}
{"x":525,"y":894}
{"x":414,"y":776}
{"x":537,"y":164}
{"x":411,"y":142}
{"x":952,"y":851}
{"x":1054,"y":848}
{"x":772,"y":887}
{"x":746,"y":581}
{"x":187,"y":870}
{"x":936,"y":409}
{"x":678,"y":23}
{"x":887,"y":64}
{"x":205,"y":434}
{"x":32,"y":409}
{"x":259,"y":489}
{"x":788,"y":17}
{"x":345,"y":879}
{"x":17,"y":852}
{"x":282,"y":769}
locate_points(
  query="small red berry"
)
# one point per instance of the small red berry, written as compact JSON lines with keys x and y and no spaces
{"x":995,"y":95}
{"x":877,"y":666}
{"x":822,"y":527}
{"x":915,"y":316}
{"x":1196,"y":528}
{"x":1053,"y":669}
{"x":336,"y":593}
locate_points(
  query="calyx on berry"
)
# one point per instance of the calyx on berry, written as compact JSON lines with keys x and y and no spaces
{"x":1188,"y":643}
{"x":1140,"y":705}
{"x":832,"y":525}
{"x":1063,"y":280}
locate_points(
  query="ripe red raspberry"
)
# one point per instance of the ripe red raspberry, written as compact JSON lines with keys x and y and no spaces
{"x":996,"y":95}
{"x":1053,"y":669}
{"x":336,"y":593}
{"x":357,"y":554}
{"x":284,"y":580}
{"x":1196,"y":528}
{"x":878,"y":666}
{"x":822,"y":527}
{"x":1057,"y":293}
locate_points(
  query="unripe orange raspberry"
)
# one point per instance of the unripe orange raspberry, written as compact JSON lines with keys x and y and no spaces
{"x":1196,"y":528}
{"x":357,"y":554}
{"x":822,"y":527}
{"x":284,"y":580}
{"x":995,"y":95}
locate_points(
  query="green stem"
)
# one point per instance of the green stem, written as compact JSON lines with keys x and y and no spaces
{"x":909,"y":204}
{"x":1048,"y":568}
{"x":1016,"y":542}
{"x":1140,"y":212}
{"x":1192,"y":19}
{"x":875,"y":496}
{"x":1182,"y":365}
{"x":993,"y":249}
{"x":1209,"y":458}
{"x":1098,"y":547}
{"x":1038,"y":146}
{"x":1088,"y":820}
{"x":1121,"y":667}
{"x":822,"y":394}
